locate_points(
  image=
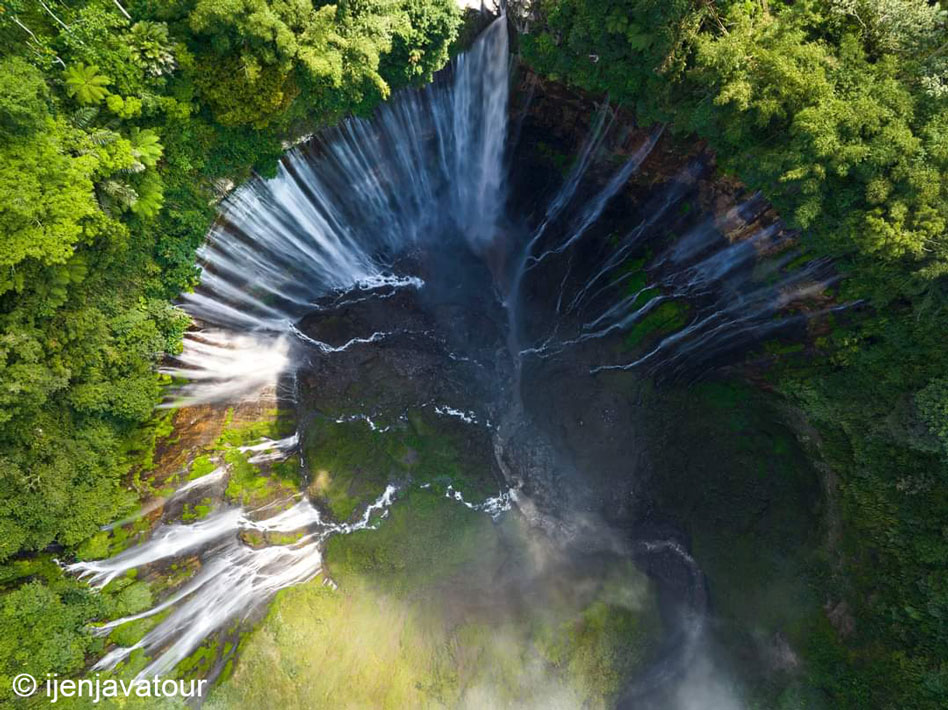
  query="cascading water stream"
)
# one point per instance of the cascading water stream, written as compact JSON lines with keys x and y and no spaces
{"x":344,"y":222}
{"x":339,"y":213}
{"x":234,"y":580}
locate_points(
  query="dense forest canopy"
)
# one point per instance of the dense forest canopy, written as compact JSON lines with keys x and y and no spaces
{"x":122,"y":123}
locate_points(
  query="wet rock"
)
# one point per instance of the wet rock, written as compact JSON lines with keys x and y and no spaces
{"x":840,"y":617}
{"x":779,"y":656}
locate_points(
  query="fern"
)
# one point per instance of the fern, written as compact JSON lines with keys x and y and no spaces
{"x":84,"y":117}
{"x":115,"y":195}
{"x":103,"y":137}
{"x":152,"y":47}
{"x":85,"y":84}
{"x":145,"y":146}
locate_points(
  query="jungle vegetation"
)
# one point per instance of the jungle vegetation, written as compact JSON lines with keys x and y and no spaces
{"x":120,"y":126}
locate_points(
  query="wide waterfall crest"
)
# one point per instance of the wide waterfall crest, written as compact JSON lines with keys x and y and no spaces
{"x":338,"y":213}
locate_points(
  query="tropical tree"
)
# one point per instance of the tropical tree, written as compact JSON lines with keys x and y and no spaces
{"x":152,"y":47}
{"x":23,"y":98}
{"x":145,"y":146}
{"x":85,"y":84}
{"x":150,"y":195}
{"x":45,"y":194}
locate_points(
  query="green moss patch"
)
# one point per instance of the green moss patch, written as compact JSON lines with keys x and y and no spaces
{"x":665,"y":318}
{"x":248,"y":485}
{"x":350,"y":464}
{"x":401,"y":556}
{"x":426,"y":615}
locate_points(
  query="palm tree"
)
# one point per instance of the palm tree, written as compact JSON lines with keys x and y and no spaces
{"x":85,"y":84}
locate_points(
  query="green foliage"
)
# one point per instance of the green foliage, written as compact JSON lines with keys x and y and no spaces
{"x":350,"y":464}
{"x":45,"y":197}
{"x":602,"y":645}
{"x":43,"y":630}
{"x":390,"y":635}
{"x":254,"y":99}
{"x":261,"y":56}
{"x":400,"y":560}
{"x":113,"y":134}
{"x":854,"y":164}
{"x":149,"y":196}
{"x":145,"y":146}
{"x":201,"y":466}
{"x":667,"y":317}
{"x":420,"y":47}
{"x":826,"y":115}
{"x":23,"y":99}
{"x":932,"y":403}
{"x":152,"y":47}
{"x":85,"y":84}
{"x":911,"y":30}
{"x":247,"y":485}
{"x":198,"y":510}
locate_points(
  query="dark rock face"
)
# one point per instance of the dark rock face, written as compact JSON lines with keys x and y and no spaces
{"x":576,"y":447}
{"x":574,"y":442}
{"x":383,"y":352}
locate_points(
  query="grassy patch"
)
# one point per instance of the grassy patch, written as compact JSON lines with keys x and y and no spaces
{"x":134,"y":631}
{"x":276,"y":424}
{"x":600,"y":644}
{"x":106,"y":543}
{"x":248,"y":485}
{"x":201,"y":466}
{"x":400,"y":555}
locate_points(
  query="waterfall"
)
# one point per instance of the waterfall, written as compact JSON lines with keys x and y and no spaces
{"x":339,"y":212}
{"x":340,"y":223}
{"x":233,"y":580}
{"x":326,"y":231}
